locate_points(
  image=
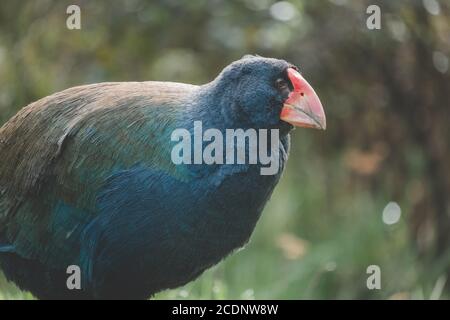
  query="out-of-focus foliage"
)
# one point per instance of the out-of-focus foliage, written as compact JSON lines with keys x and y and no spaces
{"x":386,"y":93}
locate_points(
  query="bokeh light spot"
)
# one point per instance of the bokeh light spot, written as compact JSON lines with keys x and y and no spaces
{"x":283,"y":11}
{"x":440,"y":61}
{"x":432,"y":6}
{"x":391,"y":213}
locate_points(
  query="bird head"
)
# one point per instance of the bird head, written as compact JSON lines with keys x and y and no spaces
{"x":268,"y":92}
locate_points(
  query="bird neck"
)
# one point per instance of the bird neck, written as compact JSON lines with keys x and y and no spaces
{"x":216,"y":105}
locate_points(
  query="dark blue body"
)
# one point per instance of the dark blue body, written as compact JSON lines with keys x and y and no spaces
{"x":95,"y":185}
{"x":162,"y":233}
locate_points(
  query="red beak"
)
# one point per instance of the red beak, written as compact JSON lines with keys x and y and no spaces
{"x":303,"y":107}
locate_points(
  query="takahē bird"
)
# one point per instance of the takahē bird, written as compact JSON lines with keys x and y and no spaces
{"x":87,"y":180}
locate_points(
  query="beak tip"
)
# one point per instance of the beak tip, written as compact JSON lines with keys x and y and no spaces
{"x":323,"y":125}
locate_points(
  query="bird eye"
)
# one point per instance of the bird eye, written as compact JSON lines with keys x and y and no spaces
{"x":281,"y":84}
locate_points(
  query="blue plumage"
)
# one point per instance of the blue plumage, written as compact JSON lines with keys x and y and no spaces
{"x":94,"y":185}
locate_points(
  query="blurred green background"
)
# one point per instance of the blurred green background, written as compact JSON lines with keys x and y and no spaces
{"x":371,"y":190}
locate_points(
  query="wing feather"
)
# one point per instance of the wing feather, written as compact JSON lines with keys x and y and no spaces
{"x":58,"y":152}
